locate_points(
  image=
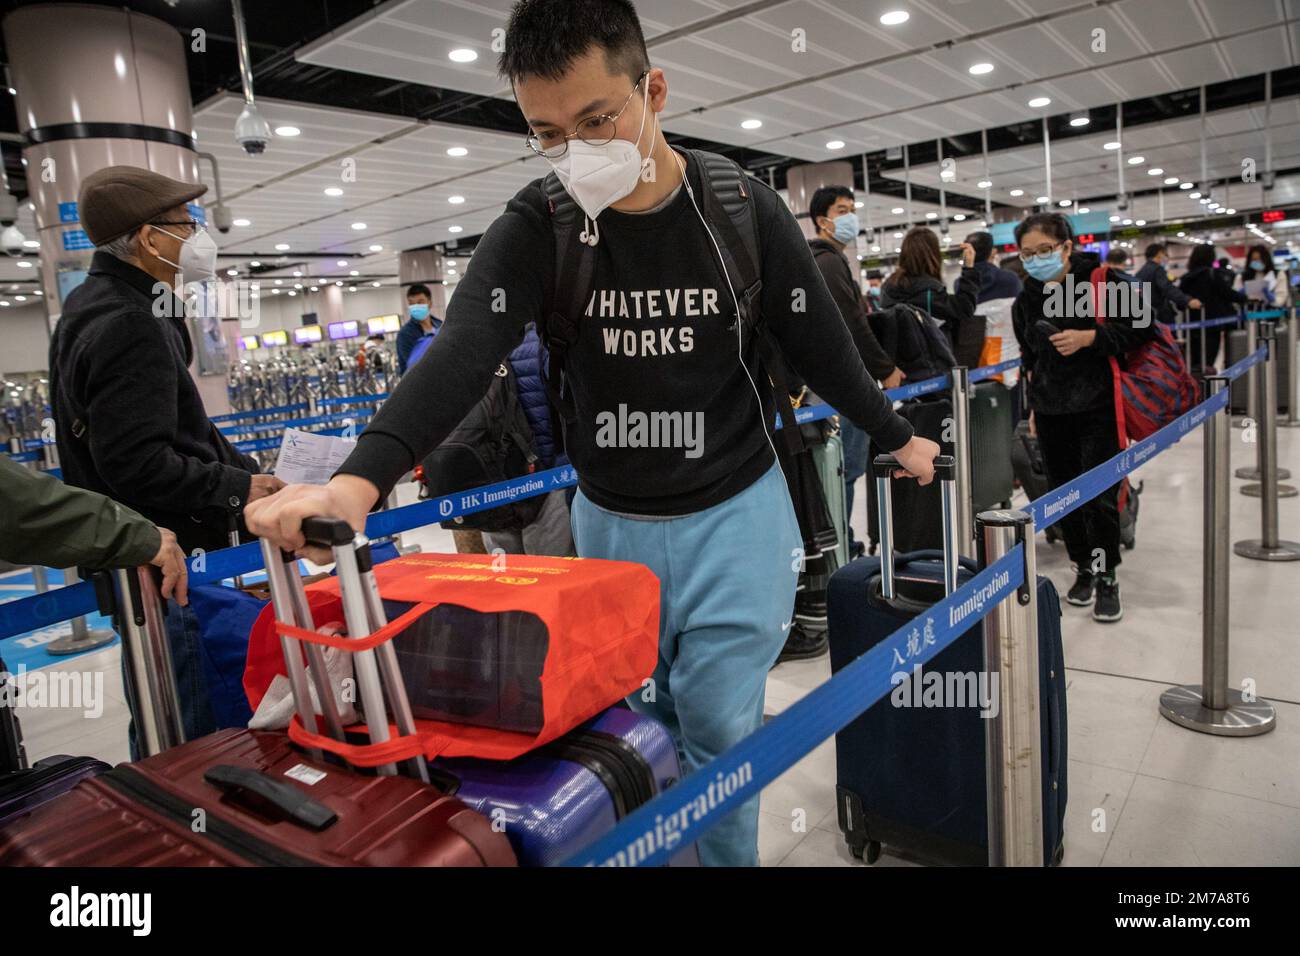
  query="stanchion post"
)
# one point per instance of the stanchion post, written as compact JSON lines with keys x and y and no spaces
{"x":1187,"y":338}
{"x":82,"y":637}
{"x":1013,"y":744}
{"x":1265,"y":421}
{"x":1268,"y":547}
{"x":962,"y":449}
{"x":151,"y":679}
{"x":1292,"y":419}
{"x":1211,"y":707}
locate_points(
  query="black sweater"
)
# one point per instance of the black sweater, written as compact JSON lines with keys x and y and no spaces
{"x":1065,"y":384}
{"x":656,"y":337}
{"x":838,"y":276}
{"x":1217,"y":296}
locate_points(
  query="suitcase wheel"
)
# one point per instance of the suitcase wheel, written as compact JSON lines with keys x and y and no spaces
{"x":873,"y":851}
{"x":1059,"y":855}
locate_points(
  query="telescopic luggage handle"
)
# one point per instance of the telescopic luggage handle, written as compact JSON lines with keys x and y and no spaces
{"x":363,"y":612}
{"x":945,"y":470}
{"x":135,"y":601}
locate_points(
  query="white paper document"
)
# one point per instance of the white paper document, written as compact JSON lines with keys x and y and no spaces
{"x":307,"y":458}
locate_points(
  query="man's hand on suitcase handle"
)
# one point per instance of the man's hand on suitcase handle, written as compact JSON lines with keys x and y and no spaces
{"x":279,"y":517}
{"x":917,"y":459}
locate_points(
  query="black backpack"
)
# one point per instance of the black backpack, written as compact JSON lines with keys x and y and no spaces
{"x":914,"y":340}
{"x":728,"y":209}
{"x":493,"y":443}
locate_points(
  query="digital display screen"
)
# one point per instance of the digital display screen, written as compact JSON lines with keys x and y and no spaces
{"x":249,"y":342}
{"x":1272,"y":215}
{"x":306,"y":334}
{"x":272,"y":339}
{"x":380,"y":324}
{"x":344,"y":330}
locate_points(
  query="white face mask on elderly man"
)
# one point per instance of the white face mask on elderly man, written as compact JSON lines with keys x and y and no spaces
{"x":198,"y":258}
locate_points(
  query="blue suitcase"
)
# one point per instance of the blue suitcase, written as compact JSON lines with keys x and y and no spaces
{"x":913,"y":778}
{"x":558,"y":799}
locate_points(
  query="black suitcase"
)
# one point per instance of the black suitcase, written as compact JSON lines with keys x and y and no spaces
{"x":930,"y":418}
{"x":991,"y":431}
{"x":1029,"y":469}
{"x":1235,"y":344}
{"x":913,"y":778}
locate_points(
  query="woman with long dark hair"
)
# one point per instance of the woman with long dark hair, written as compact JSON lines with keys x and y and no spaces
{"x":1071,"y":396}
{"x":1261,"y":280}
{"x":918,"y":282}
{"x":1205,"y":282}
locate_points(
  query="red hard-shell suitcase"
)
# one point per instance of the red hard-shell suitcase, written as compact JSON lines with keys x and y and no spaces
{"x":248,"y":798}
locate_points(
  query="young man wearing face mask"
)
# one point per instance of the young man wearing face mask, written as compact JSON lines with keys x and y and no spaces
{"x":130,"y":421}
{"x":420,"y":322}
{"x":710,"y":515}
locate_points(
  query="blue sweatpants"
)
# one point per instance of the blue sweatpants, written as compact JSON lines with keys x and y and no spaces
{"x":727,"y":579}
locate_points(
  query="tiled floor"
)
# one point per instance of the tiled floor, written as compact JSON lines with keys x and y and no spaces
{"x":1142,"y":791}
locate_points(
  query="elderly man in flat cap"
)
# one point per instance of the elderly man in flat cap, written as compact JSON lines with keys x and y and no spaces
{"x":130,"y":421}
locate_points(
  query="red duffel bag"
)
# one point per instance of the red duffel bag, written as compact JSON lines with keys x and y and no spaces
{"x":499,"y":653}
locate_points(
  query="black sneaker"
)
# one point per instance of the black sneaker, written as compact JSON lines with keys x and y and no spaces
{"x":803,"y":644}
{"x":1081,"y":593}
{"x":1107,"y":609}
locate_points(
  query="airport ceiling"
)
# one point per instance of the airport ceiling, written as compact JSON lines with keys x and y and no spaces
{"x":372,"y":82}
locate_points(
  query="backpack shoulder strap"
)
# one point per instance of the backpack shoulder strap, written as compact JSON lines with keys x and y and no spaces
{"x":574,"y":268}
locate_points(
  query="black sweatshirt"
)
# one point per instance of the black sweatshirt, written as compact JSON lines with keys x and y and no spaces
{"x":656,"y":337}
{"x":843,"y":287}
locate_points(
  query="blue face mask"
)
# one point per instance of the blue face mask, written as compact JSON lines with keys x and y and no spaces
{"x":418,"y":312}
{"x":1257,"y":266}
{"x":1045,"y":267}
{"x":846,"y":227}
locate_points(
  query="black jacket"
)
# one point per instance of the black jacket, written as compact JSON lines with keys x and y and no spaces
{"x":129,"y":418}
{"x":952,"y":310}
{"x":1165,"y":296}
{"x":1082,"y":382}
{"x":996,"y":282}
{"x":1217,"y":296}
{"x":838,"y":276}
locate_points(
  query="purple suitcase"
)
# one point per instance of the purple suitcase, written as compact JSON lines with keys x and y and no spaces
{"x":561,"y":797}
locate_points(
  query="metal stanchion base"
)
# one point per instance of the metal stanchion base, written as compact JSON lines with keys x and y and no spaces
{"x":1288,"y":423}
{"x":1183,"y":705}
{"x":74,"y":644}
{"x":1254,"y":549}
{"x":1252,"y":473}
{"x":1283,"y":491}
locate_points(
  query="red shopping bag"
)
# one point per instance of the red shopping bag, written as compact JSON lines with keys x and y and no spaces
{"x":599,"y":621}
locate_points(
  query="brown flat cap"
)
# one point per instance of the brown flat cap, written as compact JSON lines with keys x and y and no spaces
{"x":117,"y":199}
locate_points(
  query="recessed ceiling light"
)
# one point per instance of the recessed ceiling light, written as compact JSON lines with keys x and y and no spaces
{"x":1171,"y":180}
{"x":835,"y":144}
{"x":896,"y":211}
{"x":455,"y":200}
{"x":979,"y":69}
{"x":341,"y":263}
{"x":275,"y":292}
{"x":898,"y":235}
{"x":1080,"y":119}
{"x":1139,"y":222}
{"x":291,"y":292}
{"x":1184,"y":185}
{"x":1040,"y":101}
{"x":338,"y":282}
{"x":1204,"y":201}
{"x":894,"y":17}
{"x":751,"y":124}
{"x":875,"y":248}
{"x":333,"y":191}
{"x":898,"y":248}
{"x":297,"y":285}
{"x":377,"y":248}
{"x":287,"y":131}
{"x":1113,"y":144}
{"x":1083,"y":209}
{"x":31,"y":244}
{"x":931,"y":215}
{"x":1230,"y":212}
{"x":1181,"y":234}
{"x":1016,"y":192}
{"x":354,"y":272}
{"x":1127,"y":222}
{"x":960,"y":217}
{"x":1114,"y":218}
{"x":282,"y":247}
{"x":1043,"y":199}
{"x":254,"y":263}
{"x":359,"y":226}
{"x":1136,"y":160}
{"x":1155,"y":171}
{"x":984,"y":183}
{"x":242,"y":222}
{"x":1064,"y":202}
{"x":20,"y":298}
{"x":1195,"y":195}
{"x":457,"y":151}
{"x":375,"y":284}
{"x":24,"y":264}
{"x":455,"y":228}
{"x":279,"y":282}
{"x":463,"y":55}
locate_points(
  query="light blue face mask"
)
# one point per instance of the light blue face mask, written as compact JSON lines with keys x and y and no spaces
{"x":1044,"y":267}
{"x":418,"y":312}
{"x":1257,"y":266}
{"x":846,"y":227}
